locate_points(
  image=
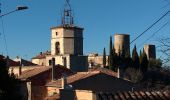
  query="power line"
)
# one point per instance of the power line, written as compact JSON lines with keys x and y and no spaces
{"x":154,"y":33}
{"x":3,"y":33}
{"x":150,"y":27}
{"x":4,"y":36}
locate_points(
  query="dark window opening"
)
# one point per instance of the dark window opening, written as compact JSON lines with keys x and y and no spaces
{"x":57,"y":48}
{"x":50,"y":62}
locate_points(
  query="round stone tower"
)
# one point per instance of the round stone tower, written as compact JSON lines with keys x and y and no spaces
{"x":121,"y":41}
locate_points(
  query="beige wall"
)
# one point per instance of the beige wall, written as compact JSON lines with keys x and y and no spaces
{"x":70,"y":39}
{"x":52,"y":91}
{"x":24,"y":68}
{"x":96,"y":60}
{"x":59,"y":59}
{"x":41,"y":62}
{"x":57,"y":38}
{"x":85,"y":95}
{"x":75,"y":63}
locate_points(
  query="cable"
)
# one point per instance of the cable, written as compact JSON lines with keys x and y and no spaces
{"x":150,"y":27}
{"x":154,"y":33}
{"x":3,"y":32}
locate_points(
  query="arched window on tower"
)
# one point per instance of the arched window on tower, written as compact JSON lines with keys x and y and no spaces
{"x":57,"y":48}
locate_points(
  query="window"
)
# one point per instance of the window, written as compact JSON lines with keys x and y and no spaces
{"x":50,"y":62}
{"x":57,"y":48}
{"x":56,"y":33}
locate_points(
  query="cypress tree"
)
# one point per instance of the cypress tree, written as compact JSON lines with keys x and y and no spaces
{"x":104,"y":57}
{"x":110,"y":54}
{"x":144,"y":62}
{"x":140,"y":56}
{"x":115,"y":60}
{"x":135,"y":58}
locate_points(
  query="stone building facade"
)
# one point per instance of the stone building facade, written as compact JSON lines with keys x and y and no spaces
{"x":66,"y":48}
{"x":150,"y":51}
{"x":96,"y":60}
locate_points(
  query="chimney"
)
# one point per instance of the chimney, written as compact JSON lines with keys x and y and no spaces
{"x":20,"y":68}
{"x":53,"y":69}
{"x":118,"y":72}
{"x":63,"y":81}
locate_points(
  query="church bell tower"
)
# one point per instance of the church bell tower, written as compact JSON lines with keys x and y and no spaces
{"x":67,"y":38}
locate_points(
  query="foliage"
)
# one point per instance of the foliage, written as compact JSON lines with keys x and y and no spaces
{"x":154,"y":64}
{"x":144,"y":63}
{"x":110,"y":54}
{"x":134,"y":75}
{"x":8,"y":84}
{"x":165,"y":49}
{"x":104,"y":57}
{"x":135,"y":58}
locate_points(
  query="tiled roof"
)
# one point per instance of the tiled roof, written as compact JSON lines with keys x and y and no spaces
{"x":24,"y":62}
{"x":82,"y":75}
{"x":136,"y":95}
{"x":42,"y":55}
{"x":10,"y":62}
{"x":32,"y":72}
{"x":37,"y":71}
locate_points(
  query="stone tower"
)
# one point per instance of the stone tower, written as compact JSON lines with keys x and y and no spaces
{"x":67,"y":43}
{"x":150,"y":51}
{"x":121,"y":41}
{"x":66,"y":40}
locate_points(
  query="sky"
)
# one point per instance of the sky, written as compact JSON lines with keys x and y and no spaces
{"x":28,"y":32}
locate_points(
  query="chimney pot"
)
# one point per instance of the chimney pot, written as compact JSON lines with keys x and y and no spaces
{"x":53,"y":69}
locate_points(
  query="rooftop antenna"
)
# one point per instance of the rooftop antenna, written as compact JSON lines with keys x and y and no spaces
{"x":67,"y":17}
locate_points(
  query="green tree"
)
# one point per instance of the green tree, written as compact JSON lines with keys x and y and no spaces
{"x":144,"y":62}
{"x":104,"y":57}
{"x":135,"y":58}
{"x":155,"y":64}
{"x":115,"y":60}
{"x":9,"y":86}
{"x":133,"y":74}
{"x":140,"y":56}
{"x":110,"y":54}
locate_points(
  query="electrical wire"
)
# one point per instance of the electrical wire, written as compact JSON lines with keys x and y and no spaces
{"x":150,"y":27}
{"x":4,"y":36}
{"x":3,"y":32}
{"x":154,"y":33}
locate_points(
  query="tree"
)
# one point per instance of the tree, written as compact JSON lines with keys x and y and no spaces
{"x":155,"y":64}
{"x":135,"y":58}
{"x":140,"y":56}
{"x":9,"y":89}
{"x":144,"y":63}
{"x":133,"y":75}
{"x":110,"y":54}
{"x":164,"y":48}
{"x":104,"y":57}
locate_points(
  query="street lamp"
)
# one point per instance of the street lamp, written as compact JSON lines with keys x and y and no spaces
{"x":17,"y":9}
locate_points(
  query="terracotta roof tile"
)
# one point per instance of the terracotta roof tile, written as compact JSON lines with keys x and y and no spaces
{"x":10,"y":61}
{"x":136,"y":95}
{"x":42,"y":55}
{"x":82,"y":75}
{"x":37,"y":71}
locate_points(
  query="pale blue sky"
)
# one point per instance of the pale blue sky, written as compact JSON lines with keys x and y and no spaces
{"x":28,"y":32}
